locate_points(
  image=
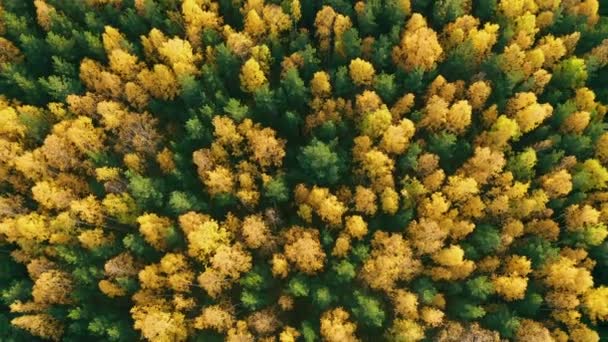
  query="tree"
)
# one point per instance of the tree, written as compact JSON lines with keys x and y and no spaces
{"x":335,"y":326}
{"x":595,"y":301}
{"x":320,"y":160}
{"x":204,"y":239}
{"x":480,"y":287}
{"x":158,"y":324}
{"x":255,"y":232}
{"x":391,"y":260}
{"x":145,"y":191}
{"x":446,"y":11}
{"x":361,"y":72}
{"x":160,"y":82}
{"x":276,"y":190}
{"x":405,"y":330}
{"x":571,"y":73}
{"x":510,"y":287}
{"x":303,"y":249}
{"x":297,"y":170}
{"x":155,"y":230}
{"x":52,"y":287}
{"x":368,"y":310}
{"x":41,"y":325}
{"x":419,"y":47}
{"x":591,"y":175}
{"x":252,"y":77}
{"x":320,"y":84}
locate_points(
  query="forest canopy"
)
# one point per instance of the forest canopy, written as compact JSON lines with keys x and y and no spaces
{"x":304,"y":170}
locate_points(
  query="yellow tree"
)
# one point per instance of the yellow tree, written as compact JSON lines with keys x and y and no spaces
{"x":254,"y":24}
{"x":557,"y":184}
{"x":53,"y":287}
{"x":154,"y":229}
{"x":361,"y":72}
{"x":304,"y":250}
{"x":595,"y":302}
{"x":324,"y":22}
{"x":199,"y":16}
{"x":41,"y":325}
{"x":511,"y":287}
{"x":252,"y":77}
{"x":391,"y":260}
{"x":335,"y":326}
{"x":205,"y":238}
{"x":483,"y":165}
{"x":255,"y":231}
{"x":215,"y":317}
{"x":157,"y":323}
{"x":396,"y":138}
{"x":528,"y":113}
{"x":426,"y":235}
{"x":179,"y":55}
{"x":320,"y":84}
{"x":419,"y":47}
{"x":160,"y":82}
{"x":266,"y":149}
{"x":405,"y":330}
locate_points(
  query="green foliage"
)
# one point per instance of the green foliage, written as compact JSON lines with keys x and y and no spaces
{"x":276,"y":190}
{"x":298,"y":286}
{"x":480,"y":287}
{"x":503,"y":321}
{"x":145,"y":191}
{"x":322,"y":298}
{"x":320,"y":162}
{"x":344,"y":271}
{"x":445,"y":11}
{"x":484,"y":240}
{"x":571,"y":73}
{"x":258,"y":212}
{"x":368,"y":310}
{"x":522,"y":165}
{"x":385,"y":86}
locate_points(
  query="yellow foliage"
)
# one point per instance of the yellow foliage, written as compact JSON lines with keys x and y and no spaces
{"x":255,"y":232}
{"x":391,"y":260}
{"x":154,"y":229}
{"x":53,"y":287}
{"x":205,"y":239}
{"x":110,"y":289}
{"x":405,"y":330}
{"x":510,"y":287}
{"x":595,"y":302}
{"x":390,"y":201}
{"x":335,"y":326}
{"x":365,"y":200}
{"x":160,"y":82}
{"x":252,"y":77}
{"x":562,"y":274}
{"x":396,"y":138}
{"x":179,"y":55}
{"x":41,"y":325}
{"x":450,"y":256}
{"x":557,"y":184}
{"x":320,"y":84}
{"x":303,"y":249}
{"x":419,"y":46}
{"x":376,"y":123}
{"x":158,"y":324}
{"x":216,"y":318}
{"x":356,"y":226}
{"x":361,"y":72}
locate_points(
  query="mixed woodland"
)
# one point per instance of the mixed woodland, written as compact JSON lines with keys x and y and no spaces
{"x":304,"y":170}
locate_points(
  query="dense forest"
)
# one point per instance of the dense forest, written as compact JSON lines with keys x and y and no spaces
{"x":304,"y":170}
